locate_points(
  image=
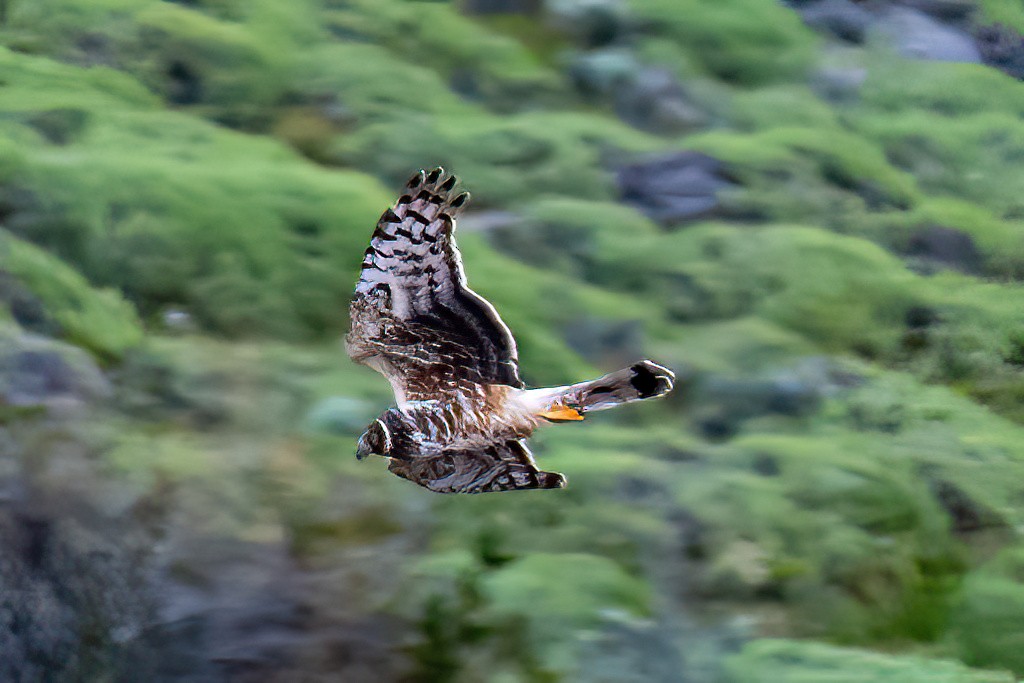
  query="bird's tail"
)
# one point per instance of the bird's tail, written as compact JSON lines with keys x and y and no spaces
{"x":638,"y":382}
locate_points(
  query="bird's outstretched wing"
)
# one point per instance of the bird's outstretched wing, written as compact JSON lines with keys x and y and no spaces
{"x":413,"y":317}
{"x":502,"y":466}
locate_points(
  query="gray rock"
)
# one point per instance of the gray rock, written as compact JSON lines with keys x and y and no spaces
{"x":37,"y":372}
{"x":839,"y":83}
{"x":948,"y":11}
{"x":591,"y":23}
{"x":653,"y":100}
{"x":648,"y":98}
{"x":915,"y":34}
{"x":936,"y":246}
{"x":840,"y":18}
{"x":597,"y":73}
{"x":675,"y":188}
{"x":1003,"y":48}
{"x":631,"y":651}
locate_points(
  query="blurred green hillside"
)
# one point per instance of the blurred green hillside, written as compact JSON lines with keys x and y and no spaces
{"x":813,"y":211}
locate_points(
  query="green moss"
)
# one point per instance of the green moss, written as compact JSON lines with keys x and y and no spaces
{"x":1003,"y":12}
{"x":782,"y":106}
{"x":485,"y":65}
{"x":763,"y":661}
{"x":948,"y":89}
{"x":974,"y":156}
{"x":566,"y":593}
{"x":839,"y":291}
{"x":34,"y":84}
{"x":987,"y":621}
{"x":228,"y":63}
{"x":740,"y":41}
{"x":843,"y":160}
{"x":206,"y":227}
{"x":99,"y":320}
{"x":503,"y":159}
{"x":551,"y":580}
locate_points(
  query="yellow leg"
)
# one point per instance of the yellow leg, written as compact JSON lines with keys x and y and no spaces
{"x":560,"y":413}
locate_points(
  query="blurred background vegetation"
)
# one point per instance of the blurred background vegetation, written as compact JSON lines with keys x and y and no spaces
{"x":813,"y":211}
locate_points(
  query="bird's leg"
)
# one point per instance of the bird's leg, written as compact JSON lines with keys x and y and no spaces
{"x":560,"y":404}
{"x":638,"y":382}
{"x":561,"y":413}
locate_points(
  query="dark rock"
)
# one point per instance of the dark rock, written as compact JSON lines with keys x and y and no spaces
{"x":597,"y":73}
{"x":766,"y":465}
{"x":654,"y":101}
{"x":60,"y":126}
{"x":839,"y":83}
{"x":466,"y":82}
{"x":947,"y":11}
{"x":919,"y":317}
{"x":937,"y":246}
{"x":675,"y":188}
{"x":966,"y":513}
{"x":530,"y":7}
{"x":591,"y":23}
{"x":841,"y":18}
{"x":184,"y":85}
{"x":792,"y":397}
{"x":94,"y":48}
{"x":26,"y":308}
{"x":718,"y":427}
{"x":648,"y":98}
{"x":15,"y":200}
{"x":1003,"y":48}
{"x":915,"y":34}
{"x":35,"y":372}
{"x":692,"y":533}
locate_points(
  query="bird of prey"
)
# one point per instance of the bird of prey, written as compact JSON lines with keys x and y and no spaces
{"x":462,"y":413}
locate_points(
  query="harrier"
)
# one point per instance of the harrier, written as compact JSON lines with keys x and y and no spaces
{"x":463,"y":413}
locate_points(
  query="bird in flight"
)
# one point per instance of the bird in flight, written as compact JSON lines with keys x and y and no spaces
{"x":463,"y":414}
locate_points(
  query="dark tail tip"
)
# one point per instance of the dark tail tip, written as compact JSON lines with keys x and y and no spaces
{"x":551,"y":480}
{"x":651,"y":380}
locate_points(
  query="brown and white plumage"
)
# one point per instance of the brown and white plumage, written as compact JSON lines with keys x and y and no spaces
{"x":463,"y":412}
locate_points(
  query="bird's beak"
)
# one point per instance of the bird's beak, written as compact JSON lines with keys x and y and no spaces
{"x":363,"y":449}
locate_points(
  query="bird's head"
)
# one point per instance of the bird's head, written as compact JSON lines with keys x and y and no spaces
{"x":376,"y":440}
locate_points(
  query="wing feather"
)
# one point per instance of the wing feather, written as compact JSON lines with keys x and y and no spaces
{"x":501,"y":466}
{"x":413,"y":316}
